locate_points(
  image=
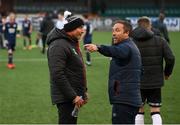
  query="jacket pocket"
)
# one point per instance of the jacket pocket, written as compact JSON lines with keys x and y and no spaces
{"x":116,"y":87}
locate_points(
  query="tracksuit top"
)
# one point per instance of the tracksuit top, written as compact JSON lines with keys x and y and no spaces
{"x":124,"y":73}
{"x":10,"y":32}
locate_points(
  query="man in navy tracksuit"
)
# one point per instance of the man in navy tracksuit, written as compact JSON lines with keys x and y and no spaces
{"x":1,"y":33}
{"x":10,"y":34}
{"x":124,"y":74}
{"x":27,"y":30}
{"x":87,"y":37}
{"x":161,"y":26}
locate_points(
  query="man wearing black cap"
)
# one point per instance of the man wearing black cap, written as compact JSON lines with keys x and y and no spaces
{"x":67,"y":71}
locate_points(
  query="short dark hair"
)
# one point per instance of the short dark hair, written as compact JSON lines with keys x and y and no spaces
{"x":126,"y":25}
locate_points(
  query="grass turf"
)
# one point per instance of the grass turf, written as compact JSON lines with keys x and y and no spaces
{"x":25,"y":95}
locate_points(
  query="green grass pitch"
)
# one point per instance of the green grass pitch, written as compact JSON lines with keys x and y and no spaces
{"x":25,"y":95}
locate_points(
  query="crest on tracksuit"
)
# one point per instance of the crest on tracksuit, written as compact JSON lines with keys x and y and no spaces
{"x":74,"y":51}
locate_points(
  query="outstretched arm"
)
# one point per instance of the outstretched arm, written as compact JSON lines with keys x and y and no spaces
{"x":91,"y":47}
{"x":110,"y":51}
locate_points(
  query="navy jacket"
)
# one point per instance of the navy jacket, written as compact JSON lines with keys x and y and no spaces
{"x":125,"y":73}
{"x":1,"y":26}
{"x":10,"y":32}
{"x":162,"y":28}
{"x":26,"y":25}
{"x":88,"y":35}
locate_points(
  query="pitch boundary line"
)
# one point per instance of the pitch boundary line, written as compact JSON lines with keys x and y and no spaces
{"x":40,"y":59}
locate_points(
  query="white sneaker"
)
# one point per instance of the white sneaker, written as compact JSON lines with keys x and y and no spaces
{"x":88,"y":63}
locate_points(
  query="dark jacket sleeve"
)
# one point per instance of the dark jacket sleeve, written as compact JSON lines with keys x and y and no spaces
{"x":156,"y":31}
{"x":169,"y":59}
{"x":165,"y":33}
{"x":116,"y":51}
{"x":58,"y":56}
{"x":42,"y":25}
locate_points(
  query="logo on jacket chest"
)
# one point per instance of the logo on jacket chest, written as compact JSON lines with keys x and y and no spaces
{"x":74,"y":51}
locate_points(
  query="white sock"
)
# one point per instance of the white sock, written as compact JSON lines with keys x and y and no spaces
{"x":156,"y":119}
{"x":139,"y":120}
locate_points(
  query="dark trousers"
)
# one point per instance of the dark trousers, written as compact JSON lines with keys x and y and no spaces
{"x":44,"y":43}
{"x":64,"y":112}
{"x":1,"y":41}
{"x":88,"y":56}
{"x":124,"y":114}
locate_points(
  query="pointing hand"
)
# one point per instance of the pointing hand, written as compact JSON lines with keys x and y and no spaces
{"x":91,"y":47}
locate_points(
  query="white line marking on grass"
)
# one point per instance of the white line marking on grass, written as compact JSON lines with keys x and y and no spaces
{"x":40,"y":59}
{"x":26,"y":60}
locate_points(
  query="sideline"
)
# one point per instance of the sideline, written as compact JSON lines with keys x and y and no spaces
{"x":41,"y":59}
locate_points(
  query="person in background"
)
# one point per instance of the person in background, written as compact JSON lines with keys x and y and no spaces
{"x":27,"y":30}
{"x":87,"y":36}
{"x":10,"y":33}
{"x":46,"y":26}
{"x":60,"y":22}
{"x":124,"y":74}
{"x":161,"y":26}
{"x":38,"y":39}
{"x":67,"y":70}
{"x":154,"y":51}
{"x":61,"y":19}
{"x":1,"y":33}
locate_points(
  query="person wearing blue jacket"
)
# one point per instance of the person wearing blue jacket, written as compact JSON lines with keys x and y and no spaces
{"x":1,"y":33}
{"x":27,"y":30}
{"x":161,"y":26}
{"x":124,"y":74}
{"x":87,"y":36}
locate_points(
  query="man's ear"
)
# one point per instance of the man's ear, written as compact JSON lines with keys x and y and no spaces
{"x":127,"y":33}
